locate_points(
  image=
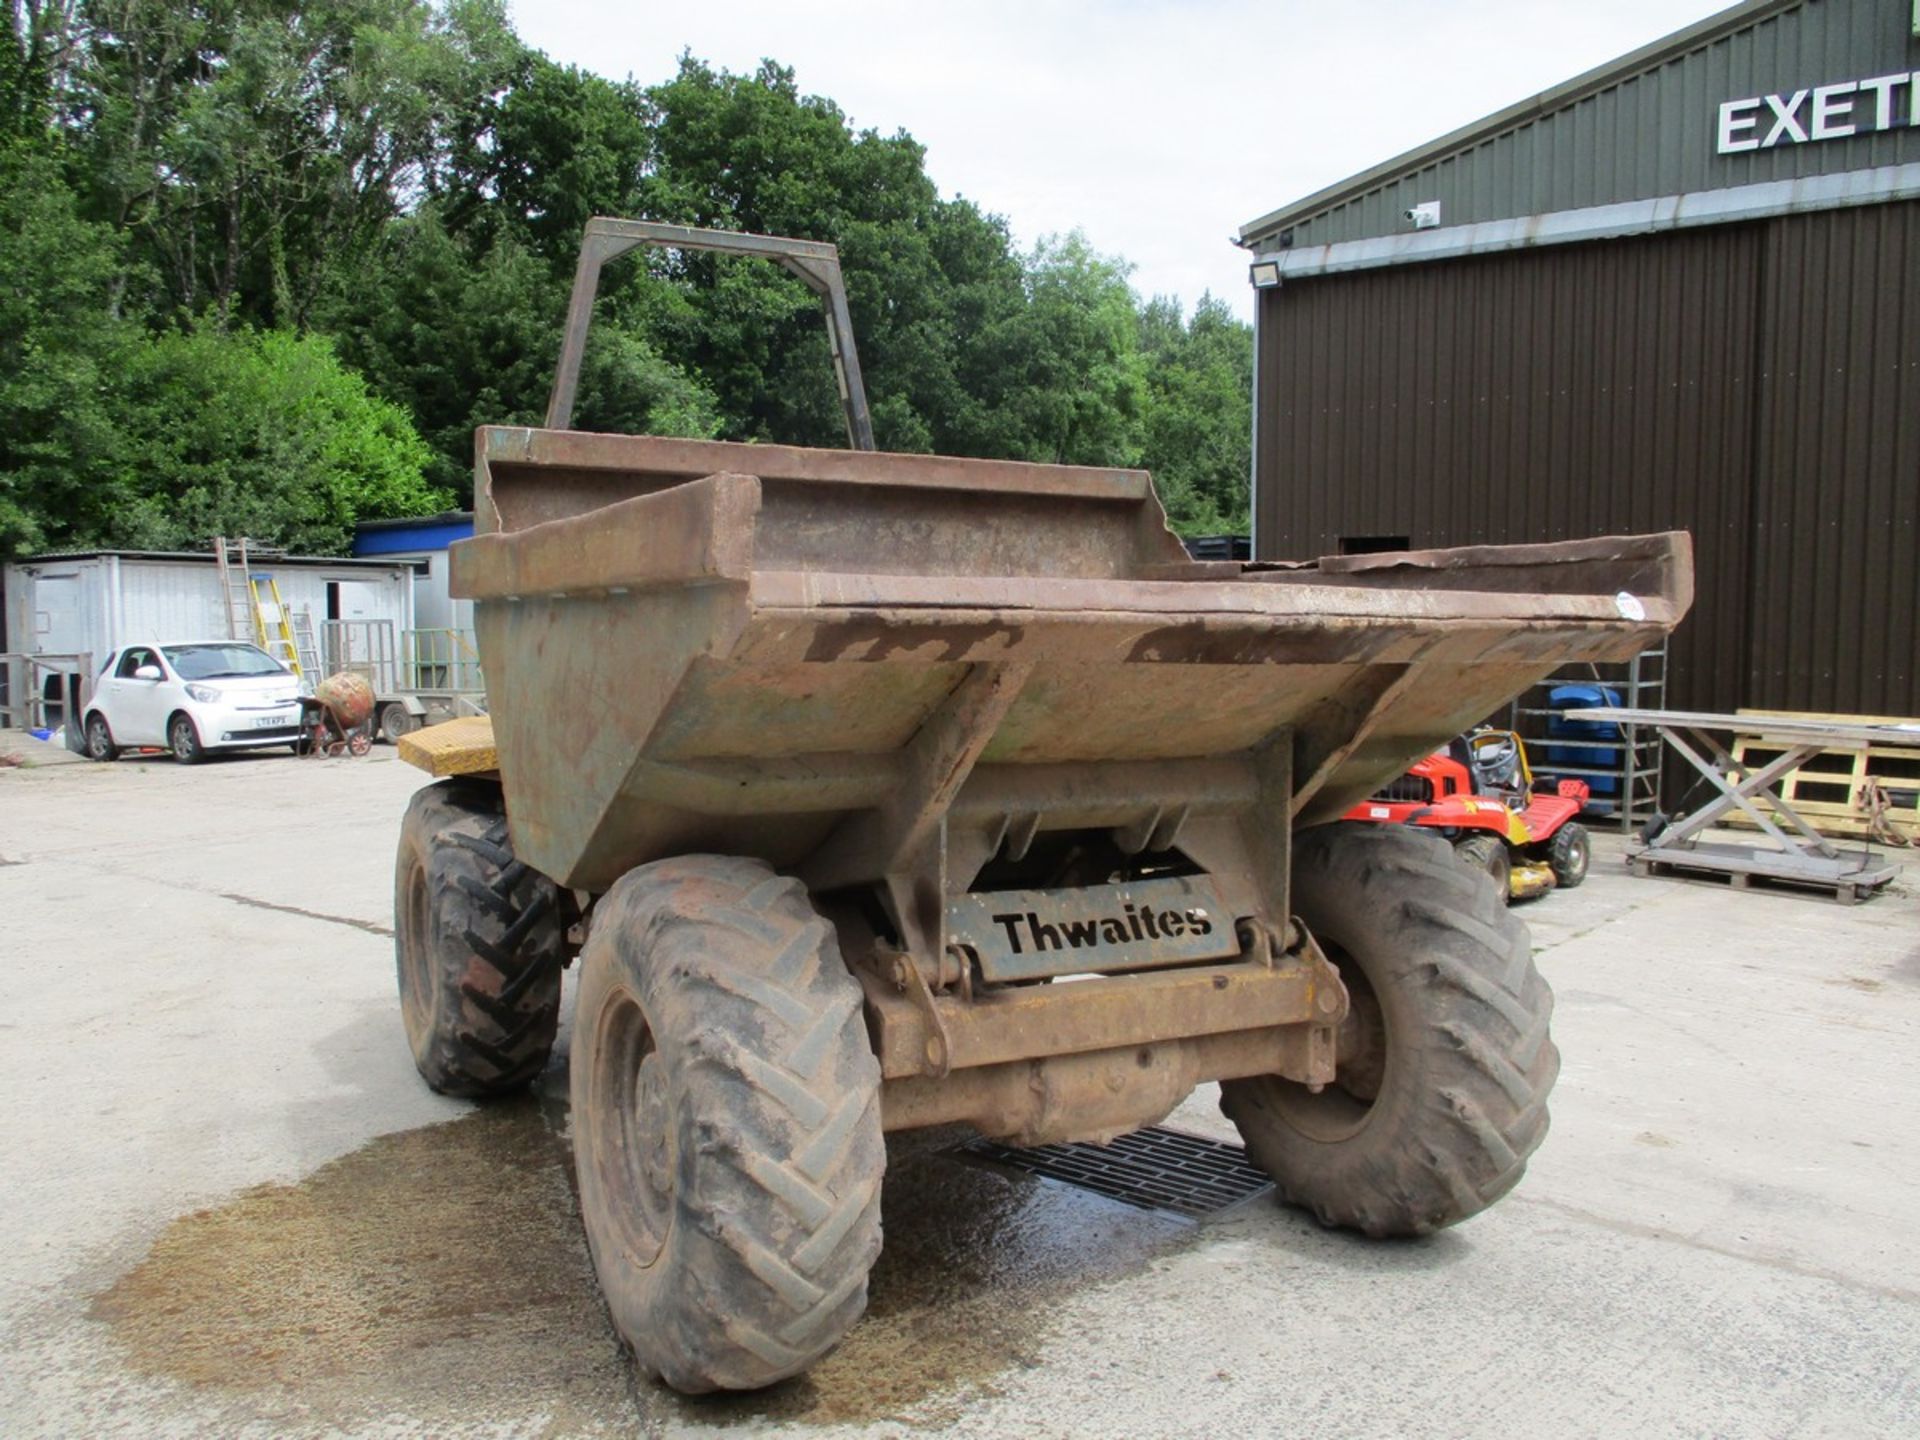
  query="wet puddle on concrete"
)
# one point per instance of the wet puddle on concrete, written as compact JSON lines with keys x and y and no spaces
{"x":435,"y":1271}
{"x":441,"y":1273}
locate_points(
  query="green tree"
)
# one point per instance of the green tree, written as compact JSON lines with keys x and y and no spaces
{"x":264,"y":434}
{"x":62,"y":353}
{"x":406,"y":177}
{"x":463,"y":342}
{"x":37,"y":43}
{"x":253,"y":147}
{"x":555,"y":148}
{"x":1077,"y":389}
{"x":1199,"y":417}
{"x":966,"y":348}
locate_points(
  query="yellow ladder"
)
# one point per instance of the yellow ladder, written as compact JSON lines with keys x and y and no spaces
{"x":254,"y":609}
{"x":273,"y":625}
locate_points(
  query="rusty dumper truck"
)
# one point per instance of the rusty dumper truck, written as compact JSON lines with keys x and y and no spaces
{"x":885,"y":791}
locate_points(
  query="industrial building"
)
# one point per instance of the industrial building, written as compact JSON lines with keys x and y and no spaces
{"x":1679,"y":291}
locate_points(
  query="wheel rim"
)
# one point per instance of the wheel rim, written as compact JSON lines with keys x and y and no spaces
{"x":415,"y":932}
{"x":182,"y":740}
{"x":97,"y":738}
{"x":1338,"y":1112}
{"x":634,"y":1145}
{"x":1577,"y":858}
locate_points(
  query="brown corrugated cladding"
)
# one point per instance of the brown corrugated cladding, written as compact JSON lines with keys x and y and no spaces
{"x":1758,"y":385}
{"x":1541,"y":395}
{"x":1836,"y":578}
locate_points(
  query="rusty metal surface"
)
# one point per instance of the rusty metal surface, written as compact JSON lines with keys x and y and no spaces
{"x":348,"y":697}
{"x":1026,"y":1022}
{"x":689,"y":535}
{"x":1096,"y":1095}
{"x":808,"y":655}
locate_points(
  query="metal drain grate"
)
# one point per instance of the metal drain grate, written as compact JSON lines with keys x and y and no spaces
{"x":1155,"y":1169}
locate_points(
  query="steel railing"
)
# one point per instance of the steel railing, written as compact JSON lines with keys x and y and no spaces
{"x":405,"y":662}
{"x":24,"y":701}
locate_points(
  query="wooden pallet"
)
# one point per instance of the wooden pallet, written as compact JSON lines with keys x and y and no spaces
{"x":1827,"y":789}
{"x":1740,"y":866}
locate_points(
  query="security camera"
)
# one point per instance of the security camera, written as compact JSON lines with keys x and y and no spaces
{"x":1425,"y":215}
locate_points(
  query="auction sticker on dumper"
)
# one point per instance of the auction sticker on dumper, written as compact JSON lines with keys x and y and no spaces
{"x":1136,"y":925}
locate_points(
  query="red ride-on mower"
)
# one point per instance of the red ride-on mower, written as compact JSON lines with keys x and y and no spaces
{"x":1479,"y":793}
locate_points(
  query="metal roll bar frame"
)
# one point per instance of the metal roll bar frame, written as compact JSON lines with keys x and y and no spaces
{"x":815,"y":263}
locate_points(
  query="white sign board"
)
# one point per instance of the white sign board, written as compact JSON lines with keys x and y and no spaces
{"x":1821,"y":112}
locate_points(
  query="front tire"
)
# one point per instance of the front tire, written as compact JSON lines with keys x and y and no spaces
{"x":726,"y":1122}
{"x":100,"y":744}
{"x":479,"y":940}
{"x":1433,"y":1117}
{"x":183,"y":739}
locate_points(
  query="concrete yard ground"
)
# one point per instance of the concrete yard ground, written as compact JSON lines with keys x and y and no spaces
{"x":231,"y":1208}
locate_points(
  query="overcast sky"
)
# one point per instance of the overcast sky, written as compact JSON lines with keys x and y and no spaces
{"x":1158,"y":127}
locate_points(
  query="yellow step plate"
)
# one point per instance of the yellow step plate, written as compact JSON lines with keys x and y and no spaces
{"x":454,"y":747}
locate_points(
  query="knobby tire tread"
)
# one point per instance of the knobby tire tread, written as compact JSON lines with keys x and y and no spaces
{"x":496,"y":947}
{"x":777,"y":1210}
{"x":1472,"y":1062}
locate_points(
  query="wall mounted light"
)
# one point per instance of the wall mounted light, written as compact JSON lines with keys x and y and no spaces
{"x":1265,"y":274}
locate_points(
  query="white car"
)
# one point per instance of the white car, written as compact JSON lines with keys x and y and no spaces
{"x":191,"y":699}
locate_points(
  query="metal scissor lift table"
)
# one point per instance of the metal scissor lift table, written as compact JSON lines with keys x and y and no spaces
{"x":1799,"y":853}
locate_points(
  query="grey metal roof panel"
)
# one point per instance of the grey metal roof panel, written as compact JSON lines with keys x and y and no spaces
{"x":412,"y":522}
{"x":1641,"y":126}
{"x":206,"y":557}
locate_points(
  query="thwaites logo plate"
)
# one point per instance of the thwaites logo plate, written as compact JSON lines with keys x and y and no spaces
{"x":1032,"y":934}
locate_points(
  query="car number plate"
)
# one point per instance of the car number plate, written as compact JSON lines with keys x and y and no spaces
{"x":1136,"y":925}
{"x":273,"y":722}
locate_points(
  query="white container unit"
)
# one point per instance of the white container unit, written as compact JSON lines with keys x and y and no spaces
{"x":92,"y":602}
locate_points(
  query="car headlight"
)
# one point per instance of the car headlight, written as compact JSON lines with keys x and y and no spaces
{"x":306,"y":686}
{"x":205,"y":694}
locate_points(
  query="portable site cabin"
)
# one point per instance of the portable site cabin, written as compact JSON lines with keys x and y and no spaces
{"x":60,"y":608}
{"x":422,"y":541}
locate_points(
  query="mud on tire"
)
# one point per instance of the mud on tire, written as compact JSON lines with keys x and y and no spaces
{"x":1438,"y":1122}
{"x":479,"y":939}
{"x":726,"y":1123}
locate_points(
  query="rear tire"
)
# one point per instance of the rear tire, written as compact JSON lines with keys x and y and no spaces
{"x":396,"y":720}
{"x":1570,"y":852}
{"x":479,"y":939}
{"x":1437,"y":1122}
{"x":1488,"y":855}
{"x":726,"y":1123}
